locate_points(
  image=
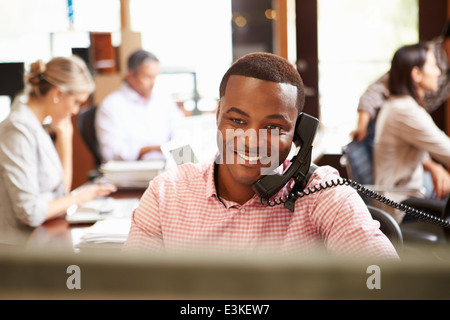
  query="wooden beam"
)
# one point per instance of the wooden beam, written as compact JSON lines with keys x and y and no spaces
{"x":432,"y":17}
{"x":448,"y":101}
{"x":125,"y":14}
{"x":307,"y":52}
{"x":281,"y":28}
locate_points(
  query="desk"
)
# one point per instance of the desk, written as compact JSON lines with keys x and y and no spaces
{"x":42,"y":275}
{"x":59,"y":234}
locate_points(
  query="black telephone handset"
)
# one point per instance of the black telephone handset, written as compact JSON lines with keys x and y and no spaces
{"x":305,"y":131}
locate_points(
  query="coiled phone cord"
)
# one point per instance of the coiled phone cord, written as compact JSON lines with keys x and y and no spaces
{"x":358,"y":187}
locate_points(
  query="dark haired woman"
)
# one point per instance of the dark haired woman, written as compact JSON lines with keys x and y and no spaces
{"x":406,"y":137}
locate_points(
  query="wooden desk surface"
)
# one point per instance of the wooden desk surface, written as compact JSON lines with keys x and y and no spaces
{"x":58,"y":233}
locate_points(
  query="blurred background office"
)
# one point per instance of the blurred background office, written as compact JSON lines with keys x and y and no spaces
{"x":338,"y":46}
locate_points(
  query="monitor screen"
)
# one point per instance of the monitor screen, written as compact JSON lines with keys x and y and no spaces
{"x":11,"y":78}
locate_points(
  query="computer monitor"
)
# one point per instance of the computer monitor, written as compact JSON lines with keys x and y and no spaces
{"x":11,"y":79}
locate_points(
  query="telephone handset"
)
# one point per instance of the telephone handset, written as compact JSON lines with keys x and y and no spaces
{"x":301,"y":170}
{"x":305,"y":131}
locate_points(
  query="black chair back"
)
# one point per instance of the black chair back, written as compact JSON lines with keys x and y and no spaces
{"x":359,"y":161}
{"x":388,"y":226}
{"x":446,"y":217}
{"x":86,"y":126}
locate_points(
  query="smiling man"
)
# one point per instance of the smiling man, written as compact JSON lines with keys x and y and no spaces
{"x":211,"y":207}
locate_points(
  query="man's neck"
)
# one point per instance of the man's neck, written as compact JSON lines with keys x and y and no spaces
{"x":238,"y":193}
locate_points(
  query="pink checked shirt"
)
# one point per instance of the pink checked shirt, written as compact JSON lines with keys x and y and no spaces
{"x":180,"y":212}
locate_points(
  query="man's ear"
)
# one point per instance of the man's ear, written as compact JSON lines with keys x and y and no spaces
{"x":218,"y":111}
{"x":129,"y":76}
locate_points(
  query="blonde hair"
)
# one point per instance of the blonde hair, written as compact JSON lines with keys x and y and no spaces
{"x":68,"y":74}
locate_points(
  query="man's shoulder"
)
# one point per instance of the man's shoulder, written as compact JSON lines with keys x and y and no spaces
{"x":322,"y":174}
{"x":326,"y":182}
{"x":114,"y":98}
{"x":184,"y":174}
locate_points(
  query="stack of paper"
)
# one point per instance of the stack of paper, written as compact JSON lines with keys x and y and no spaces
{"x":107,"y":233}
{"x":134,"y":174}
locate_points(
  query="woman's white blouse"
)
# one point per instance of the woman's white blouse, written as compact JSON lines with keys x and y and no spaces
{"x":30,"y":173}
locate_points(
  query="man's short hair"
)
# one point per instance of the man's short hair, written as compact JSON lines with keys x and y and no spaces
{"x":268,"y":67}
{"x":138,"y":57}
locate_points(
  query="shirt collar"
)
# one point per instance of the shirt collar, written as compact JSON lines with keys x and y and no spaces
{"x":210,"y":182}
{"x":133,"y":95}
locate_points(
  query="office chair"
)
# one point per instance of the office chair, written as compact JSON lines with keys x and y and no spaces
{"x":357,"y":159}
{"x":426,"y":231}
{"x":446,"y":217}
{"x":86,"y":126}
{"x":388,"y":226}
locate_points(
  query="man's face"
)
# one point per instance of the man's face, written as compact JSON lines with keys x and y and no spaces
{"x":256,"y":121}
{"x":144,"y":80}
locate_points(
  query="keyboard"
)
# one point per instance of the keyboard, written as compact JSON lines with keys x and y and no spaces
{"x":100,"y":209}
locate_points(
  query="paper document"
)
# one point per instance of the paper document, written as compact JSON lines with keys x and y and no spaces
{"x":132,"y":173}
{"x":110,"y":230}
{"x":110,"y":233}
{"x":100,"y":209}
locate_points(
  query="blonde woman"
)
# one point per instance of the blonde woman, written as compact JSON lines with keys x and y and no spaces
{"x":36,"y":172}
